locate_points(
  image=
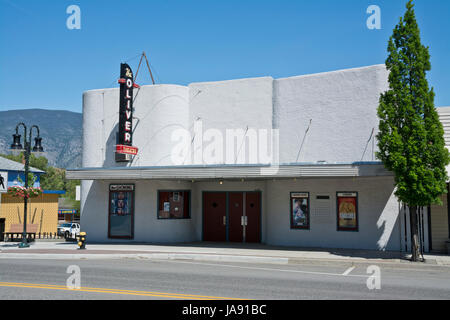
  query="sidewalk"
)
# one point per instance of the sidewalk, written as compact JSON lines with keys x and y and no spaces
{"x":204,"y":251}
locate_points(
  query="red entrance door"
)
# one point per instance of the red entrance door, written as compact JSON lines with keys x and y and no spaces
{"x":224,"y":212}
{"x":253,"y":213}
{"x":214,"y":216}
{"x":235,"y":213}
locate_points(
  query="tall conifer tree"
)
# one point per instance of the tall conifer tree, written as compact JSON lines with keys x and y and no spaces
{"x":411,"y":138}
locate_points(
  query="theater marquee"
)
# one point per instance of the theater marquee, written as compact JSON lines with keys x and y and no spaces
{"x":124,"y":148}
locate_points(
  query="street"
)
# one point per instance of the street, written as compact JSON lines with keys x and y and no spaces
{"x":158,"y":279}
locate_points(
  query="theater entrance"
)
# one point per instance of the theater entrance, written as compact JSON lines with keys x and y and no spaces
{"x":232,"y":216}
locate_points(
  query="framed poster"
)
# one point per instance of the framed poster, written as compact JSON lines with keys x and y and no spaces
{"x":300,"y":210}
{"x":121,"y":211}
{"x":347,"y":211}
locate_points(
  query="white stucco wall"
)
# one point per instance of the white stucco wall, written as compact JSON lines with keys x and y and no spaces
{"x":147,"y":226}
{"x":378,"y":209}
{"x":158,"y":110}
{"x":377,"y":214}
{"x":342,"y":107}
{"x":234,"y":104}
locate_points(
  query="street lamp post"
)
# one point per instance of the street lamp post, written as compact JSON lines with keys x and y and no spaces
{"x":17,"y":146}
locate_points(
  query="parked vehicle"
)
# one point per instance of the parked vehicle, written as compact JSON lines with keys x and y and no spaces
{"x":69,"y":230}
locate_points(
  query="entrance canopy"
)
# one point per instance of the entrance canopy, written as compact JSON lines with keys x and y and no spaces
{"x":212,"y":172}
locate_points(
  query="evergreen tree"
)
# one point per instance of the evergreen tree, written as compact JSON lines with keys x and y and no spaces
{"x":411,"y":138}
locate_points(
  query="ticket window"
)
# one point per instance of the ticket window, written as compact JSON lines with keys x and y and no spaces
{"x":174,"y":205}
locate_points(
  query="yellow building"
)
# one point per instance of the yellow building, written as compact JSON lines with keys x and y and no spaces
{"x":42,"y":210}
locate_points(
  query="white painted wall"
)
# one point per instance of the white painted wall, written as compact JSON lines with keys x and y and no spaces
{"x":158,"y":110}
{"x":147,"y":226}
{"x":342,"y":106}
{"x":233,"y":104}
{"x":379,"y":227}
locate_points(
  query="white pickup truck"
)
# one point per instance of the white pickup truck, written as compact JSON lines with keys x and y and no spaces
{"x":69,"y":230}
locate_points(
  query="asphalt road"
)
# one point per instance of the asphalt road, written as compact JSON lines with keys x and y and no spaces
{"x":150,"y":279}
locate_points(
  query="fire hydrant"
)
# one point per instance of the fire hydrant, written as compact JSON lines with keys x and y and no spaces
{"x":81,"y":240}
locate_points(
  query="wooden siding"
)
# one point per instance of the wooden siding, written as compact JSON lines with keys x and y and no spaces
{"x":42,"y":211}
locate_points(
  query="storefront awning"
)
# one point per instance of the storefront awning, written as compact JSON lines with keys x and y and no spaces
{"x":254,"y":172}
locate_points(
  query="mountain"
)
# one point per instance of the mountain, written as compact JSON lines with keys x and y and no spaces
{"x":60,"y":132}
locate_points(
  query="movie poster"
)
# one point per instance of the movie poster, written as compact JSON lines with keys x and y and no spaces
{"x":120,"y":203}
{"x":299,"y":210}
{"x":347,"y":206}
{"x":121,"y":211}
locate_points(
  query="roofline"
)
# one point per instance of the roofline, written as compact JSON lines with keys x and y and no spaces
{"x":229,"y":172}
{"x":30,"y":170}
{"x":375,"y":66}
{"x":356,"y":163}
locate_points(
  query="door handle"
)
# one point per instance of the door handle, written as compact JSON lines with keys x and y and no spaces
{"x":224,"y":220}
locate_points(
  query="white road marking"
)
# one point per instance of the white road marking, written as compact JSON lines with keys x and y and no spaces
{"x":347,"y":272}
{"x":271,"y":269}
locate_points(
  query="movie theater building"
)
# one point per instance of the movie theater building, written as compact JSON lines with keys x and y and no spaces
{"x":287,"y":162}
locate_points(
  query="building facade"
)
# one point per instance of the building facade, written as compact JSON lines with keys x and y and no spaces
{"x":440,"y":214}
{"x":286,"y":162}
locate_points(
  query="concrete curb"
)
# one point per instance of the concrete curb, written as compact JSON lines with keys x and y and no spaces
{"x":150,"y":256}
{"x":220,"y":258}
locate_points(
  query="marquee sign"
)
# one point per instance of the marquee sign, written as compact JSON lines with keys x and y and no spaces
{"x":124,"y":148}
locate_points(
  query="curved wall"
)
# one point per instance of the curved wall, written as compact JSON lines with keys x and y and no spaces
{"x":158,"y":111}
{"x":340,"y":109}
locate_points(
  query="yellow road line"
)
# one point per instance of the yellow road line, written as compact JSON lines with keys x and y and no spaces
{"x":115,"y":291}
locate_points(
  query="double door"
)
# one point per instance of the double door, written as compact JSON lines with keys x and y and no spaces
{"x":232,"y":216}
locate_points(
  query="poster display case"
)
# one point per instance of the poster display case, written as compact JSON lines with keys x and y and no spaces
{"x":347,"y":211}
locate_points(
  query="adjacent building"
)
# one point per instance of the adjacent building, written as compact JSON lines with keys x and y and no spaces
{"x":440,"y":214}
{"x":42,"y":210}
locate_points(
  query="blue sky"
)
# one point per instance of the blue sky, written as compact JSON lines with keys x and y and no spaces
{"x":46,"y":65}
